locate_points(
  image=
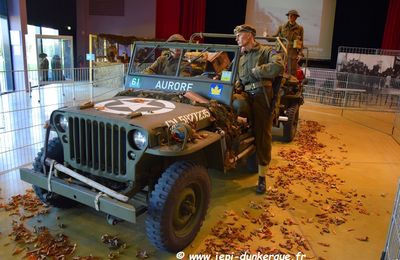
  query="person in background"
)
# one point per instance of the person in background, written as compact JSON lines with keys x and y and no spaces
{"x":44,"y":66}
{"x":125,"y":57}
{"x":294,"y":33}
{"x":166,"y":63}
{"x":56,"y":67}
{"x":112,"y":53}
{"x":259,"y":66}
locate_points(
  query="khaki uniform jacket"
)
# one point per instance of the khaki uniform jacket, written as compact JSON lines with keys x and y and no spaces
{"x":267,"y":62}
{"x":290,"y":32}
{"x":167,"y":65}
{"x":164,"y":65}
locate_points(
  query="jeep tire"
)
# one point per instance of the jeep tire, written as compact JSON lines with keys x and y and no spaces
{"x":55,"y":152}
{"x":178,"y":205}
{"x":290,"y":126}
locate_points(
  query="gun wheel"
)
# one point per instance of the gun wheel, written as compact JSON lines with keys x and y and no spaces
{"x":290,"y":126}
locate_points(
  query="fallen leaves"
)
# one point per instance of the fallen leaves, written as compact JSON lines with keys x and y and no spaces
{"x":142,"y":254}
{"x":112,"y":242}
{"x":17,"y":250}
{"x":25,"y":206}
{"x":40,"y":243}
{"x":307,"y":166}
{"x":324,"y":244}
{"x":363,"y":239}
{"x":85,"y":258}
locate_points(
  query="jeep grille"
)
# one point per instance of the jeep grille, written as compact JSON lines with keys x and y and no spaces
{"x":98,"y":145}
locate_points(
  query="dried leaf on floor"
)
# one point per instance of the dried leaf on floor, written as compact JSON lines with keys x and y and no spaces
{"x":363,"y":239}
{"x":142,"y":254}
{"x":112,"y":242}
{"x":324,"y":244}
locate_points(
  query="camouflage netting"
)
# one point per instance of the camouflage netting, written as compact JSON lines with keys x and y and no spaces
{"x":223,"y":117}
{"x":125,"y":40}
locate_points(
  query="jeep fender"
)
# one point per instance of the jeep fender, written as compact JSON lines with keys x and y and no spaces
{"x":212,"y":146}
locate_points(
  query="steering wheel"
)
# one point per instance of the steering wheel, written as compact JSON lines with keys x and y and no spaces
{"x":209,"y":74}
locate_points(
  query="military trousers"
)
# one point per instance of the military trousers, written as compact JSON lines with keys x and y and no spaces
{"x":261,"y":121}
{"x":292,"y":61}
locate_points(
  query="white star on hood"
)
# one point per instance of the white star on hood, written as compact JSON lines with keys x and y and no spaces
{"x":133,"y":106}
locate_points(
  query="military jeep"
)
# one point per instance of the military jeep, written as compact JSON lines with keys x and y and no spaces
{"x":148,"y":148}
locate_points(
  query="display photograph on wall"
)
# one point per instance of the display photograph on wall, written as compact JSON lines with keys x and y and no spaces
{"x":368,"y":64}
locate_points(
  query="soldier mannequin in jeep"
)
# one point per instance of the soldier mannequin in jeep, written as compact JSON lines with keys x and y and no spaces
{"x":258,"y":66}
{"x":166,"y":63}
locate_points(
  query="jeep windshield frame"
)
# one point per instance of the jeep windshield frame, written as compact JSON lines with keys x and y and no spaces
{"x":206,"y":69}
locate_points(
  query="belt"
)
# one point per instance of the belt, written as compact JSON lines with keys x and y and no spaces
{"x":254,"y":85}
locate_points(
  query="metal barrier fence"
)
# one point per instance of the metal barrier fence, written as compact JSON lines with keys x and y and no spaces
{"x":11,"y":81}
{"x":351,"y":90}
{"x":392,"y":247}
{"x":24,"y":112}
{"x":359,"y":100}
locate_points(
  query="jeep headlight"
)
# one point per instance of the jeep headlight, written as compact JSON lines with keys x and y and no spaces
{"x":61,"y":123}
{"x":139,"y":139}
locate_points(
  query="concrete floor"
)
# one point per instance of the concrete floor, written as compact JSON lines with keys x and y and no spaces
{"x":364,"y":156}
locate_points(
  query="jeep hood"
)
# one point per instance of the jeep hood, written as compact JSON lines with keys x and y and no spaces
{"x":151,"y":113}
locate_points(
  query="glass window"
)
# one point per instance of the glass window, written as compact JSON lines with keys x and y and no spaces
{"x":55,"y":58}
{"x":31,"y":46}
{"x":6,"y":80}
{"x":208,"y":62}
{"x":31,"y":52}
{"x":49,"y":54}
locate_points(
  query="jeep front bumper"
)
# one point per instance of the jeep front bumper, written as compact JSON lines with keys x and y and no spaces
{"x":126,"y":211}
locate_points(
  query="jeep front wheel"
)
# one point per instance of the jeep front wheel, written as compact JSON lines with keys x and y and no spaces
{"x":178,"y":205}
{"x":55,"y":152}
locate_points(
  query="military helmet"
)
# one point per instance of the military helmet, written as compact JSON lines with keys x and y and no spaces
{"x":176,"y":38}
{"x":244,"y":28}
{"x":294,"y":12}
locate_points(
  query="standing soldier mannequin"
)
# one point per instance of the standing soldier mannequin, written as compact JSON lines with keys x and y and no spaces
{"x":294,"y":33}
{"x":258,"y":67}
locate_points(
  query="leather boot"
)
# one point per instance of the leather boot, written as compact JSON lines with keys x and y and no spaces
{"x":261,"y":187}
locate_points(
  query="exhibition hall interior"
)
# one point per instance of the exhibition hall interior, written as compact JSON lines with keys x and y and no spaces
{"x":199,"y":129}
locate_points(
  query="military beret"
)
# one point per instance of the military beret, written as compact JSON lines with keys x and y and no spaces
{"x":245,"y":28}
{"x":176,"y":38}
{"x":294,"y":12}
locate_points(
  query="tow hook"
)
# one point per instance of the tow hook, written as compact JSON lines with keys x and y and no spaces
{"x":113,"y":220}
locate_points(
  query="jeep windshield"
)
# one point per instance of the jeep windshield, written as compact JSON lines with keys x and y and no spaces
{"x":206,"y":69}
